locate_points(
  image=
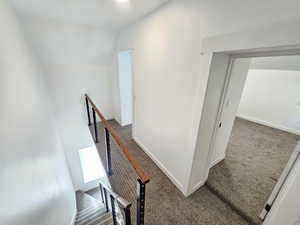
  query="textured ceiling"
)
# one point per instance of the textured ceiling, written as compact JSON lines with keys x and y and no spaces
{"x":109,"y":14}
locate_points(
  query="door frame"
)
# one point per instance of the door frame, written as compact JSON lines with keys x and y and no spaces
{"x":133,"y":92}
{"x":130,"y":51}
{"x":212,"y":149}
{"x":281,"y":181}
{"x":232,"y":56}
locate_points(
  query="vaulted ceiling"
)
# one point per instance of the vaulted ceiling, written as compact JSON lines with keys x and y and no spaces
{"x":110,"y":14}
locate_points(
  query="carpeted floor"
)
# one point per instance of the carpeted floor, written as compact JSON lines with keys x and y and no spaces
{"x":165,"y":205}
{"x":255,"y":158}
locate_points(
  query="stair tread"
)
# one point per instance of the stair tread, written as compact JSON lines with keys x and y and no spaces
{"x":104,"y":219}
{"x":96,"y":216}
{"x":91,"y":215}
{"x":91,"y":211}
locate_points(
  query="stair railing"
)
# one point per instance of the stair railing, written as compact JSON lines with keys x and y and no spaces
{"x":108,"y":196}
{"x":142,"y":179}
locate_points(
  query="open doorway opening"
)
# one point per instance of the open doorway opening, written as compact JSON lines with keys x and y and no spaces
{"x":257,"y":131}
{"x":125,"y":80}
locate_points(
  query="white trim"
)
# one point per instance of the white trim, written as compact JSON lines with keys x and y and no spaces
{"x":74,"y":217}
{"x":120,"y":120}
{"x":212,"y":148}
{"x":282,"y":179}
{"x":197,"y":186}
{"x":121,"y":124}
{"x":160,"y":165}
{"x":269,"y":124}
{"x":133,"y":92}
{"x":212,"y":164}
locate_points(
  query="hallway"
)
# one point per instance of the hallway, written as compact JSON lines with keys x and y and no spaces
{"x":165,"y":205}
{"x":256,"y":155}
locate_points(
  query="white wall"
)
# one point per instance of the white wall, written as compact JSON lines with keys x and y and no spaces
{"x":272,"y":97}
{"x":167,"y":66}
{"x":280,"y":37}
{"x":125,"y":86}
{"x":230,"y":104}
{"x":76,"y":59}
{"x":35,"y":183}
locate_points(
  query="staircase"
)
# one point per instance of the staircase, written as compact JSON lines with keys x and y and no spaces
{"x":91,"y":211}
{"x":123,"y":191}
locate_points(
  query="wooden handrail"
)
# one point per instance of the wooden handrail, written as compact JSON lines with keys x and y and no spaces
{"x":138,"y":169}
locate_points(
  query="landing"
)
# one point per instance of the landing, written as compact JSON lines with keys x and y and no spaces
{"x":165,"y":205}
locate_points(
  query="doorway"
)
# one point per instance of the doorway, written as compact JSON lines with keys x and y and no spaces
{"x":256,"y":132}
{"x":125,"y":81}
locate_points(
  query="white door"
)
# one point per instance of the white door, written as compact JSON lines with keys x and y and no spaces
{"x":233,"y":91}
{"x":289,"y":166}
{"x":125,"y":86}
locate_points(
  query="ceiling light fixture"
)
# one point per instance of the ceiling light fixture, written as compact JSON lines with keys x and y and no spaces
{"x":122,"y":1}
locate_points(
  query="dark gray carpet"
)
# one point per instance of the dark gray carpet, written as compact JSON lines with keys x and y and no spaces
{"x":165,"y":205}
{"x":256,"y":156}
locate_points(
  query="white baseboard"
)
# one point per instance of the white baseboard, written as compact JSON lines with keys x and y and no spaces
{"x":276,"y":126}
{"x":197,"y":186}
{"x":73,"y":218}
{"x":160,"y":165}
{"x":212,"y":164}
{"x":121,"y":123}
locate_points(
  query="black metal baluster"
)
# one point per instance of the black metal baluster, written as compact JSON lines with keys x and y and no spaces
{"x":141,"y":191}
{"x":108,"y":152}
{"x":106,"y":202}
{"x":95,"y":125}
{"x":101,"y":192}
{"x":113,"y":209}
{"x":88,"y":110}
{"x":127,"y":215}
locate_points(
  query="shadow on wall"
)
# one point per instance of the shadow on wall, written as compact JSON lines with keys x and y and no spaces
{"x":35,"y":183}
{"x":76,"y":59}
